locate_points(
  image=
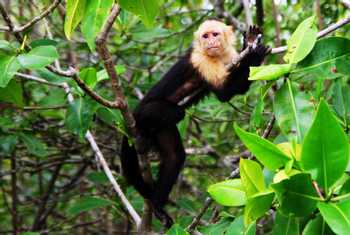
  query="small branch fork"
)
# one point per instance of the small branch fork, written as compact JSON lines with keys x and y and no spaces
{"x":15,"y":29}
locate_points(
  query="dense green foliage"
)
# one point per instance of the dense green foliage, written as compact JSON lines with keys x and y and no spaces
{"x":294,"y":120}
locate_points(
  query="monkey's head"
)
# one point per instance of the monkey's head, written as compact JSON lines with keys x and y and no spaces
{"x":214,"y":38}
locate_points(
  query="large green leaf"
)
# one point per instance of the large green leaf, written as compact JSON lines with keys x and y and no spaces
{"x":79,"y":115}
{"x":296,"y":195}
{"x":97,"y":12}
{"x":8,"y":67}
{"x":12,"y":93}
{"x":75,"y":11}
{"x":325,"y":151}
{"x":257,"y":205}
{"x":146,"y":9}
{"x":293,"y":111}
{"x":329,"y":58}
{"x":337,"y":216}
{"x":38,"y":58}
{"x":87,"y":204}
{"x":269,"y":72}
{"x":252,"y":177}
{"x":286,"y":225}
{"x":317,"y":226}
{"x":265,"y":151}
{"x":228,"y":193}
{"x":302,"y":41}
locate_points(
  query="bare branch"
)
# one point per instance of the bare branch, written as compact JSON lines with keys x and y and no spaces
{"x":346,"y":3}
{"x":248,"y":13}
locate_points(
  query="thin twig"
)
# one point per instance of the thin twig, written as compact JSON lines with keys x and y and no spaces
{"x":34,"y":20}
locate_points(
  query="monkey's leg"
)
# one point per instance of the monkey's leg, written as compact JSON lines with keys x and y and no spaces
{"x":131,"y":169}
{"x":172,"y":158}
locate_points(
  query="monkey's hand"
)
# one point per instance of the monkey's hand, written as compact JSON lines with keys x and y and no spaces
{"x":252,"y":37}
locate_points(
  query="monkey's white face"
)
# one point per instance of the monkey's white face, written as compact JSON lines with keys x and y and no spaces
{"x":214,"y":37}
{"x":212,"y":42}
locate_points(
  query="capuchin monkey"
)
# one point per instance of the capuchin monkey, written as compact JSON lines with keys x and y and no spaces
{"x":206,"y":67}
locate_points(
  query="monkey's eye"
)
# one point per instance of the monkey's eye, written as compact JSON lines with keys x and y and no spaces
{"x":205,"y":35}
{"x":215,"y":34}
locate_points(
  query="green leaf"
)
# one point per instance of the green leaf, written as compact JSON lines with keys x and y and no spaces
{"x":252,"y":177}
{"x":337,"y":216}
{"x":75,"y":10}
{"x":97,"y":12}
{"x":293,"y":111}
{"x":269,"y":72}
{"x":12,"y":93}
{"x":296,"y":195}
{"x":79,"y":115}
{"x":286,"y":225}
{"x":329,"y":59}
{"x":97,"y":177}
{"x":8,"y":67}
{"x":102,"y":74}
{"x":265,"y":151}
{"x":302,"y":41}
{"x":43,"y":42}
{"x":317,"y":226}
{"x":257,"y":205}
{"x":325,"y":151}
{"x":176,"y":230}
{"x":147,"y":10}
{"x":89,"y":76}
{"x":38,"y":58}
{"x":228,"y":193}
{"x":30,"y":233}
{"x":341,"y":100}
{"x":34,"y":145}
{"x":87,"y":204}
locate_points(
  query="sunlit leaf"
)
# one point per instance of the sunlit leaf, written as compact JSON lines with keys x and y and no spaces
{"x":337,"y":216}
{"x":269,"y":72}
{"x":302,"y":41}
{"x":8,"y":67}
{"x":75,"y":10}
{"x":96,"y":14}
{"x":265,"y":151}
{"x":252,"y":177}
{"x":228,"y":193}
{"x":38,"y":58}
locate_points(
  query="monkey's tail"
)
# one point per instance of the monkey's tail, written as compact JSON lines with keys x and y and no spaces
{"x":131,"y":169}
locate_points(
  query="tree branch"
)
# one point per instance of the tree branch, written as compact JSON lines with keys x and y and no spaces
{"x":36,"y":19}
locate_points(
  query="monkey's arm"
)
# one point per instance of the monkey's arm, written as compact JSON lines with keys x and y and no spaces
{"x":237,"y":82}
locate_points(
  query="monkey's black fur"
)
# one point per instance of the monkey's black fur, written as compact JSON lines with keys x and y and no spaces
{"x":163,"y":107}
